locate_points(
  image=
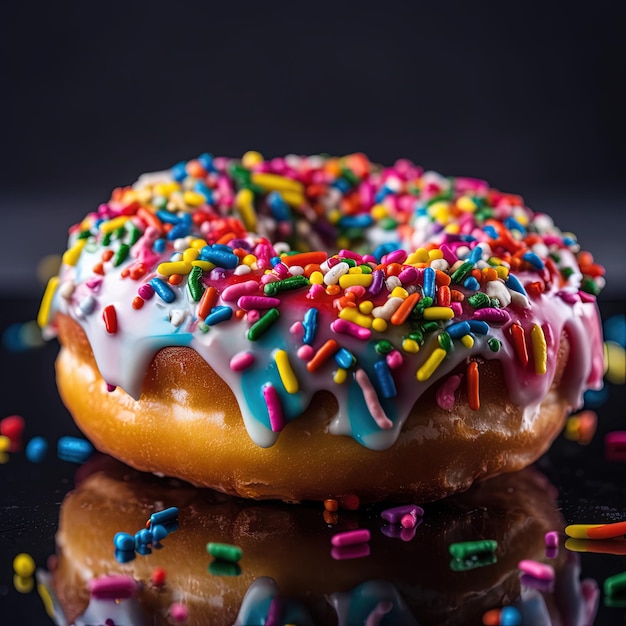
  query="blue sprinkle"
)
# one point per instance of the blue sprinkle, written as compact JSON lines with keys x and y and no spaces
{"x":219,"y":257}
{"x":345,"y":358}
{"x":179,"y":171}
{"x":510,"y":616}
{"x":467,"y":238}
{"x":534,"y":260}
{"x":385,"y":379}
{"x":595,"y":398}
{"x":159,"y":245}
{"x":429,"y":282}
{"x":163,"y":290}
{"x":158,"y":532}
{"x":512,"y":224}
{"x":36,"y":449}
{"x":513,"y":283}
{"x":124,"y":556}
{"x":219,"y":314}
{"x":478,"y":326}
{"x":471,"y":283}
{"x":381,"y":194}
{"x":420,"y":210}
{"x":178,"y":232}
{"x":275,"y":260}
{"x":206,"y":160}
{"x":204,"y":190}
{"x":356,"y":221}
{"x":278,"y":206}
{"x":490,"y":231}
{"x":569,"y":241}
{"x":168,"y":217}
{"x":615,"y":329}
{"x":475,"y":255}
{"x":310,"y":325}
{"x":144,"y":550}
{"x":165,"y":517}
{"x":458,"y":330}
{"x":124,"y":542}
{"x":74,"y":449}
{"x":342,"y":184}
{"x":385,"y":248}
{"x":142,"y":538}
{"x":221,"y":246}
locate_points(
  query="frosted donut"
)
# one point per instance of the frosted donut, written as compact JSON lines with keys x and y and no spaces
{"x":311,"y":327}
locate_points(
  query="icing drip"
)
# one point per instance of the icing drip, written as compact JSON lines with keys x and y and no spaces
{"x":432,"y":274}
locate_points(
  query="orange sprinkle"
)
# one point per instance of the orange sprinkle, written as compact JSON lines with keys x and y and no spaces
{"x":125,"y":272}
{"x":239,"y":313}
{"x":194,"y":168}
{"x":107,"y":255}
{"x":444,"y":296}
{"x":489,"y":274}
{"x":98,"y":269}
{"x":331,"y":504}
{"x":138,"y":271}
{"x":138,"y":302}
{"x":456,"y":295}
{"x":175,"y":279}
{"x":358,"y":163}
{"x":322,"y":355}
{"x":393,"y":269}
{"x":473,"y":384}
{"x":333,"y":290}
{"x":441,"y":278}
{"x":149,"y":218}
{"x":207,"y":302}
{"x":584,"y":258}
{"x":305,"y":258}
{"x":477,"y":274}
{"x":535,"y":288}
{"x":229,"y":236}
{"x":309,"y":268}
{"x":519,"y":343}
{"x":404,"y":310}
{"x":330,"y":517}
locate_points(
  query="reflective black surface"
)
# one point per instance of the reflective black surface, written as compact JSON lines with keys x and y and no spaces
{"x":587,"y":489}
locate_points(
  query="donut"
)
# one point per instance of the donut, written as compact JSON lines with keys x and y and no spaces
{"x":315,"y":327}
{"x":308,"y":586}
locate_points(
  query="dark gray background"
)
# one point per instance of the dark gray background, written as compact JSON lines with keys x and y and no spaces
{"x":526,"y":95}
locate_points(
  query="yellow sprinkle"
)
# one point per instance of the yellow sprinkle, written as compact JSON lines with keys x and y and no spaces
{"x":378,"y":211}
{"x":540,"y":350}
{"x":198,"y":243}
{"x":410,"y":345}
{"x":435,"y":254}
{"x":399,"y":292}
{"x":286,"y":372}
{"x":379,"y":324}
{"x":144,"y":195}
{"x":129,"y":196}
{"x":46,"y":302}
{"x":165,"y":189}
{"x":467,"y":341}
{"x":419,"y":256}
{"x":193,"y":198}
{"x":615,"y":359}
{"x":352,"y":315}
{"x":355,"y":270}
{"x":366,"y":307}
{"x":465,"y":203}
{"x":293,"y":198}
{"x":23,"y":584}
{"x":206,"y":266}
{"x":316,"y":278}
{"x":572,"y":428}
{"x":274,"y":182}
{"x":340,"y":376}
{"x":579,"y":531}
{"x":440,"y":211}
{"x":48,"y":604}
{"x":4,"y":458}
{"x":244,"y":201}
{"x":343,"y":242}
{"x":502,"y":272}
{"x":251,"y":158}
{"x":351,"y":280}
{"x":431,"y":364}
{"x":334,"y":216}
{"x":190,"y":254}
{"x":452,"y":228}
{"x":70,"y":256}
{"x":438,"y":313}
{"x":174,"y":267}
{"x":114,"y":224}
{"x":249,"y":260}
{"x":5,"y":443}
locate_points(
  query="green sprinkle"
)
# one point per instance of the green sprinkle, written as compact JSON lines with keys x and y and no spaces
{"x":133,"y":232}
{"x":566,"y":272}
{"x":293,"y":282}
{"x":106,"y":240}
{"x":463,"y":565}
{"x":120,"y":232}
{"x":495,"y":303}
{"x":122,"y":253}
{"x":383,"y":346}
{"x":224,"y":568}
{"x":203,"y":327}
{"x":461,"y":272}
{"x":388,"y":223}
{"x":417,"y":335}
{"x":84,"y":234}
{"x":615,"y":585}
{"x":430,"y":327}
{"x":445,"y":341}
{"x":224,"y":551}
{"x":494,"y":344}
{"x":159,"y":202}
{"x":350,"y":176}
{"x":350,"y":262}
{"x":365,"y":269}
{"x":262,"y":324}
{"x":196,"y":288}
{"x":479,"y":300}
{"x":588,"y":285}
{"x":468,"y":549}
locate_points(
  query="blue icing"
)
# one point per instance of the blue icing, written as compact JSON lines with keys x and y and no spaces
{"x":366,"y":597}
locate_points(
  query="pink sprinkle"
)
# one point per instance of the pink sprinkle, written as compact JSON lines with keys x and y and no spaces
{"x":395,"y":514}
{"x":357,"y":290}
{"x":274,"y":408}
{"x":457,"y":307}
{"x":281,"y":270}
{"x":371,"y":400}
{"x":297,"y":329}
{"x":257,"y":302}
{"x":348,"y":254}
{"x":445,"y":392}
{"x":615,"y":446}
{"x":394,"y":359}
{"x":94,"y":283}
{"x":396,"y":256}
{"x":368,"y":258}
{"x":491,"y":315}
{"x":568,"y":296}
{"x":408,"y":275}
{"x":536,"y":569}
{"x":232,"y":293}
{"x":315,"y":292}
{"x":408,"y":521}
{"x":253,"y":316}
{"x":179,"y":612}
{"x":241,"y":361}
{"x":552,"y":539}
{"x":305,"y":352}
{"x":448,"y":254}
{"x":112,"y":587}
{"x":350,"y":537}
{"x":357,"y":551}
{"x":145,"y":291}
{"x":350,"y":328}
{"x":586,"y":297}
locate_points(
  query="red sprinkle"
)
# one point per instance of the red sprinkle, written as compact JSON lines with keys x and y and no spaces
{"x":158,"y":576}
{"x":473,"y":385}
{"x":109,"y":315}
{"x":12,"y":427}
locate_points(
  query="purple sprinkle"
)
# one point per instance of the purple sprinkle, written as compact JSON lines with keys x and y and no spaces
{"x":552,"y":539}
{"x":395,"y":515}
{"x":494,"y":316}
{"x":378,"y":277}
{"x":408,"y":275}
